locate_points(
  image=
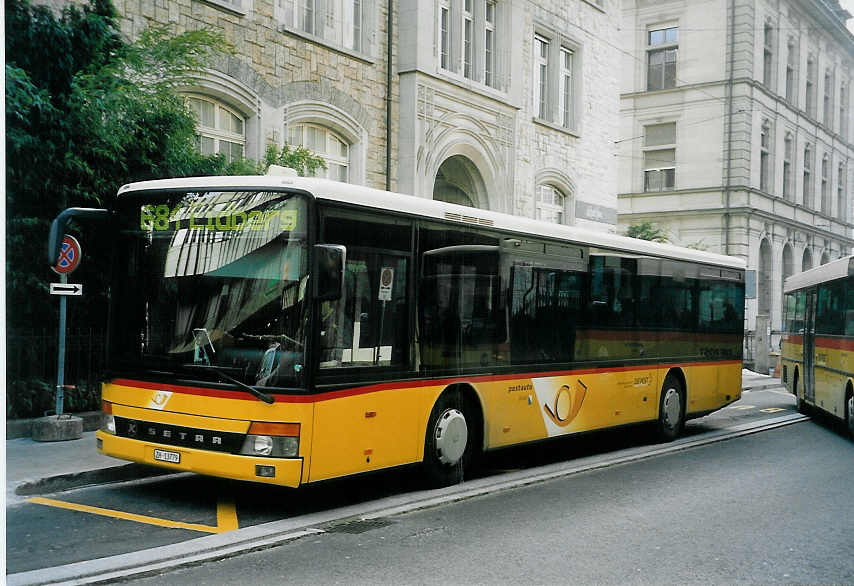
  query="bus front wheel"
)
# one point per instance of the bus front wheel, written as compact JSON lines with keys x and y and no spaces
{"x":448,"y":443}
{"x":671,"y":409}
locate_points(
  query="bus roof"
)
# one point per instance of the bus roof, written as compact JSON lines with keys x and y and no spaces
{"x":324,"y":189}
{"x":837,"y":269}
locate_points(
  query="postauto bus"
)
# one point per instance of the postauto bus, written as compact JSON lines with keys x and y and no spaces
{"x":290,"y":330}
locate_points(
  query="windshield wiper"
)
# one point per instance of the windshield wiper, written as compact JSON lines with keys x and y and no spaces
{"x":263,"y":396}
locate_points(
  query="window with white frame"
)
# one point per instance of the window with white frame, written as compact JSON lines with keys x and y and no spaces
{"x":841,"y":208}
{"x":325,"y":143}
{"x":662,"y":50}
{"x":768,"y":56}
{"x":659,"y":157}
{"x":828,"y":99}
{"x":825,"y":184}
{"x":787,"y":167}
{"x":220,"y":129}
{"x":808,"y":190}
{"x":843,"y":110}
{"x":791,"y":68}
{"x":551,"y":204}
{"x":339,"y":22}
{"x":554,"y":88}
{"x":765,"y":156}
{"x":468,"y":39}
{"x":809,"y":105}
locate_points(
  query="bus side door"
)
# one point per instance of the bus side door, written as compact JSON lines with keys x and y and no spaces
{"x":809,"y":346}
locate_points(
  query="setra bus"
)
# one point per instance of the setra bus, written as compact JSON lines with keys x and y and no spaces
{"x":817,"y":355}
{"x":291,"y":330}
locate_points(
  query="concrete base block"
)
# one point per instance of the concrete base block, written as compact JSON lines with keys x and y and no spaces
{"x":57,"y":429}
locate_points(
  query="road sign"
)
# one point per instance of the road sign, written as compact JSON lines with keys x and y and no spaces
{"x":386,"y":282}
{"x":66,"y":289}
{"x":70,"y":255}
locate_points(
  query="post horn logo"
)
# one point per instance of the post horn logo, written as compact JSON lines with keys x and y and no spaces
{"x":567,"y":404}
{"x":158,"y":401}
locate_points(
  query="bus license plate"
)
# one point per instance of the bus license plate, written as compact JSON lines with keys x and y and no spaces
{"x":167,"y":456}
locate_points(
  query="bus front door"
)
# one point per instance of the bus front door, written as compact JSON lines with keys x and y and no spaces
{"x":809,"y":347}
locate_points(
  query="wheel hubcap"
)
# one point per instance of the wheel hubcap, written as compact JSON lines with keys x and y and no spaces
{"x":672,"y":408}
{"x":451,"y":435}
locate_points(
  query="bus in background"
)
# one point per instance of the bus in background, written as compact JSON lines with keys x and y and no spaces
{"x":291,"y":330}
{"x":818,"y":339}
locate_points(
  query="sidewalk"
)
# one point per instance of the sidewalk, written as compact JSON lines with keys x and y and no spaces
{"x":39,"y":468}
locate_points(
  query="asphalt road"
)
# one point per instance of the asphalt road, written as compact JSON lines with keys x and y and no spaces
{"x":585,"y":517}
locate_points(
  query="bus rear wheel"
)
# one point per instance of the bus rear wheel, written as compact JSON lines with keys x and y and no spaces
{"x":448,"y":444}
{"x":849,"y":413}
{"x":671,"y":409}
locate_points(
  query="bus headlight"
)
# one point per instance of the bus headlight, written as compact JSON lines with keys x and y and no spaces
{"x":274,"y":440}
{"x":108,"y":421}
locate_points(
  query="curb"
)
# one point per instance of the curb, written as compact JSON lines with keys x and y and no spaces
{"x":759,"y":385}
{"x":18,"y":428}
{"x":112,"y":474}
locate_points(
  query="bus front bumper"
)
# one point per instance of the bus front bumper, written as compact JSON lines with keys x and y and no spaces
{"x":281,"y":471}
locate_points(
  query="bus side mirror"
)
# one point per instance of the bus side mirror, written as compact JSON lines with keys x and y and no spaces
{"x":329,"y":262}
{"x":59,"y":225}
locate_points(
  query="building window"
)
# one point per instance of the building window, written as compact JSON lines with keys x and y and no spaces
{"x":659,"y":157}
{"x":808,"y":192}
{"x":326,"y":144}
{"x":468,"y":34}
{"x":825,"y":186}
{"x":843,"y":111}
{"x":787,"y":167}
{"x":661,"y":58}
{"x":791,"y":61}
{"x":828,"y":99}
{"x":765,"y":157}
{"x":810,"y":97}
{"x":340,"y":22}
{"x":445,"y":35}
{"x":541,"y":75}
{"x":220,"y":129}
{"x":555,"y":101}
{"x":841,"y":208}
{"x":768,"y":57}
{"x":551,"y":204}
{"x":489,"y":44}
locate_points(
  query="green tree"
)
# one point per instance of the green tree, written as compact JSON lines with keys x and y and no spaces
{"x":86,"y":113}
{"x":648,"y":231}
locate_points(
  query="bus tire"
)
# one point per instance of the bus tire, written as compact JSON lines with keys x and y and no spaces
{"x":801,"y":405}
{"x":448,"y":444}
{"x":671,"y":409}
{"x":849,"y":412}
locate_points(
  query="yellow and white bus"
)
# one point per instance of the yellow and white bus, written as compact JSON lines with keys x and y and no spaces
{"x":818,"y":342}
{"x":291,"y":330}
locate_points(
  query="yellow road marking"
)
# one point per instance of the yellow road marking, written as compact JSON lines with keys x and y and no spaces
{"x":771,"y":410}
{"x":226,"y":515}
{"x":131,"y":516}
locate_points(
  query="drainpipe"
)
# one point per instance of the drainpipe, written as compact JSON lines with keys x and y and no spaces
{"x":388,"y":100}
{"x":729,"y":125}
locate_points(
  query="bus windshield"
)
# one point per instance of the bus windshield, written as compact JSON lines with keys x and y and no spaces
{"x":207,"y":283}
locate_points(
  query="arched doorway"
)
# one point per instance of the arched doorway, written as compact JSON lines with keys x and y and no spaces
{"x":764,"y":280}
{"x":458,"y":181}
{"x":788,"y":262}
{"x":806,"y":263}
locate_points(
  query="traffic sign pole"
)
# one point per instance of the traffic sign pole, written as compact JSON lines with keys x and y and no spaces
{"x":60,"y":377}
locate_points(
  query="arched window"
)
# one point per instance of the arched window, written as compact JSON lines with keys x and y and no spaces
{"x":220,"y":129}
{"x":325,"y":143}
{"x":551,"y":204}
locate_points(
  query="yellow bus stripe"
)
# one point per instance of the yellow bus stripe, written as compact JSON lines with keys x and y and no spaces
{"x":126,"y":516}
{"x":226,"y":515}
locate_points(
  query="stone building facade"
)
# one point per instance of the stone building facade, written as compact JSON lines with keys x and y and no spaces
{"x":507,"y":105}
{"x":736,"y":133}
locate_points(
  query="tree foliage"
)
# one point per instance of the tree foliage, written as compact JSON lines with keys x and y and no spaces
{"x":648,"y":231}
{"x":86,"y":113}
